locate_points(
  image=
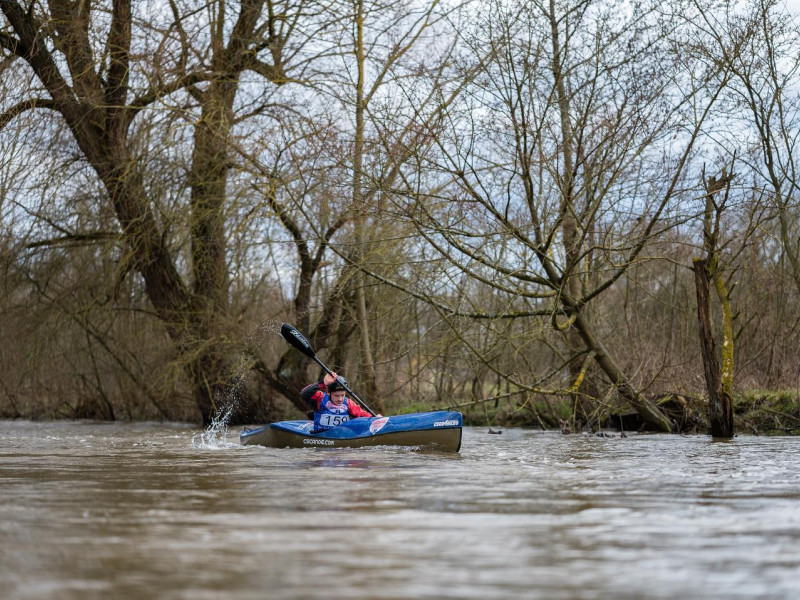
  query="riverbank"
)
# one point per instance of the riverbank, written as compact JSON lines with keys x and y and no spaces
{"x":756,"y":412}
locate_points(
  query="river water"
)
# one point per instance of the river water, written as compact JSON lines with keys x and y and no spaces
{"x":115,"y":510}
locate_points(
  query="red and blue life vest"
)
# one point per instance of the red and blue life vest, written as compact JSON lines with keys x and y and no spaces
{"x":329,"y":415}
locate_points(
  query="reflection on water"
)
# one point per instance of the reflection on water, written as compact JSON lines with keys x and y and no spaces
{"x":132,"y":511}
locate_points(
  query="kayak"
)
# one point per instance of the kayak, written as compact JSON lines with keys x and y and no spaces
{"x":440,"y":430}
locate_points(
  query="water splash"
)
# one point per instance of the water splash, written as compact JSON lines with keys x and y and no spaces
{"x":215,"y":436}
{"x":255,"y":337}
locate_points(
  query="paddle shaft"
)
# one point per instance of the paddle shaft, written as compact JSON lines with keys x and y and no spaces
{"x":299,"y":341}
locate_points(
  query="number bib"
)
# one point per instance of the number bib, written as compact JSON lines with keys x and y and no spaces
{"x":329,"y":415}
{"x":328,"y":420}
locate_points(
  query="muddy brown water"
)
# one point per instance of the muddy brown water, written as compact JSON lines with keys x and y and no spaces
{"x":96,"y":510}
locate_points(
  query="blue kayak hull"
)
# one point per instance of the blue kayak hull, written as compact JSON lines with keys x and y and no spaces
{"x":440,"y":430}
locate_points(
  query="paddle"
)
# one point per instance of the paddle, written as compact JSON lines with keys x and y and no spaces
{"x":299,"y":341}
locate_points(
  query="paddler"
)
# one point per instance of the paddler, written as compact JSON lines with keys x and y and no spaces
{"x":330,"y":403}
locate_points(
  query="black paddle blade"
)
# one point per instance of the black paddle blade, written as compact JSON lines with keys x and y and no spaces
{"x":297,"y":339}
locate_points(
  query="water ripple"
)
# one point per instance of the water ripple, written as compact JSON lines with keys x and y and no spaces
{"x":95,"y":510}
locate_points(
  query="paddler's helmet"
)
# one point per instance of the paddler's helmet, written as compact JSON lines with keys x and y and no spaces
{"x":338,"y":384}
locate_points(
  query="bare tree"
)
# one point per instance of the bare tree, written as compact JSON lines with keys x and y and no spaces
{"x":709,"y":271}
{"x":757,"y":42}
{"x":382,"y":46}
{"x":563,"y":169}
{"x":99,"y":87}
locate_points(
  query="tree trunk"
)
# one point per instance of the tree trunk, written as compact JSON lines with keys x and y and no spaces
{"x":720,"y":405}
{"x":368,"y":366}
{"x":646,"y":409}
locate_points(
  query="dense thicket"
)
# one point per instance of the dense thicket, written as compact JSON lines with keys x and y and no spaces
{"x":495,"y":205}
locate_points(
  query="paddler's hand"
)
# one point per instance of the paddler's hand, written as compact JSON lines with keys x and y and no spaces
{"x":329,"y":378}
